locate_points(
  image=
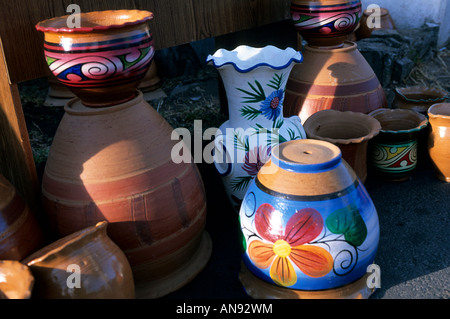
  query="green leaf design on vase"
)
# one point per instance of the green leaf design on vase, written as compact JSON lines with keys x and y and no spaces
{"x":348,"y":221}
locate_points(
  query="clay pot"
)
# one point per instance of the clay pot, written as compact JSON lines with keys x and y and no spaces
{"x":20,"y":233}
{"x":339,"y":79}
{"x":115,"y":163}
{"x":104,"y":59}
{"x":308,"y":224}
{"x":385,"y":20}
{"x":350,"y":131}
{"x":439,"y":139}
{"x":393,"y":153}
{"x":418,"y":98}
{"x":151,"y":80}
{"x":325,"y":23}
{"x":16,"y":280}
{"x":84,"y":265}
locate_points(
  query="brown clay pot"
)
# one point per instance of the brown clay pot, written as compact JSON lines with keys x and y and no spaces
{"x":115,"y":164}
{"x":339,"y":79}
{"x":20,"y":233}
{"x":103,"y":269}
{"x":386,"y":22}
{"x":16,"y":280}
{"x":439,"y":139}
{"x":151,"y":80}
{"x":419,"y":98}
{"x":350,"y":131}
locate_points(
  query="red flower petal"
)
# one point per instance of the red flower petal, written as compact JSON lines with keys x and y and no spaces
{"x":303,"y":226}
{"x":269,"y":223}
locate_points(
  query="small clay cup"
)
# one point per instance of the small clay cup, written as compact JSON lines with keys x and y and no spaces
{"x":16,"y":280}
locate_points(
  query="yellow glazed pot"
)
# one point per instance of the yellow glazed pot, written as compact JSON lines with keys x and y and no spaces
{"x":439,"y":139}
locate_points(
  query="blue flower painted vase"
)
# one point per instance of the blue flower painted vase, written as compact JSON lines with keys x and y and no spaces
{"x":254,"y":81}
{"x":308,"y":224}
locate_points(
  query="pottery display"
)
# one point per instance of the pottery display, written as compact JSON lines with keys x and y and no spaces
{"x":339,"y":79}
{"x":103,"y":270}
{"x":308,"y":225}
{"x":114,"y":162}
{"x":394,"y":152}
{"x":419,"y":98}
{"x":20,"y":233}
{"x":350,"y":131}
{"x":16,"y":280}
{"x":385,"y":20}
{"x":325,"y":23}
{"x":104,"y":60}
{"x":254,"y":81}
{"x":439,"y":139}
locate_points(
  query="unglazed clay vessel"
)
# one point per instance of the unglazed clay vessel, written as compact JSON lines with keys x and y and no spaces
{"x":308,"y":225}
{"x":20,"y":233}
{"x":104,"y":59}
{"x":325,"y":23}
{"x":115,"y":163}
{"x":339,"y":79}
{"x":439,"y":139}
{"x":350,"y":131}
{"x":255,"y":81}
{"x":419,"y":98}
{"x":394,"y":152}
{"x":16,"y":280}
{"x":103,"y":269}
{"x":365,"y":29}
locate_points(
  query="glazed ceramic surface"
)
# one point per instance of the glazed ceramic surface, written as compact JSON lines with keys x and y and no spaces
{"x":325,"y":22}
{"x":16,"y":280}
{"x":419,"y":98}
{"x":254,"y":80}
{"x":103,"y":268}
{"x":350,"y":131}
{"x":307,"y":221}
{"x":115,"y":164}
{"x":20,"y":233}
{"x":339,"y":79}
{"x":439,"y":139}
{"x":394,"y":152}
{"x":104,"y":60}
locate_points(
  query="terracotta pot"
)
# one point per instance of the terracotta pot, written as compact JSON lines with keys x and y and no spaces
{"x":339,"y":79}
{"x":325,"y":23}
{"x":20,"y":233}
{"x":439,"y":139}
{"x":103,"y":269}
{"x":115,"y":163}
{"x":419,"y":98}
{"x":16,"y":280}
{"x":254,"y":81}
{"x":104,"y":59}
{"x":151,"y":80}
{"x":350,"y":131}
{"x":308,"y":224}
{"x":385,"y":22}
{"x":393,"y":153}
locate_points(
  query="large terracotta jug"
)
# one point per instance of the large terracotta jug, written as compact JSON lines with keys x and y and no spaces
{"x":339,"y":79}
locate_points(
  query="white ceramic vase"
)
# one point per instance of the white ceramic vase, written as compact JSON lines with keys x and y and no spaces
{"x":254,"y":80}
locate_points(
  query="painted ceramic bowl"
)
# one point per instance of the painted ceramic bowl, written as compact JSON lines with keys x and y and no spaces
{"x":103,"y":60}
{"x":307,"y":222}
{"x":325,"y":22}
{"x":394,"y":152}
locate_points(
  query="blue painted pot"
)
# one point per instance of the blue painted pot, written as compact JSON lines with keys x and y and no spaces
{"x":307,"y":221}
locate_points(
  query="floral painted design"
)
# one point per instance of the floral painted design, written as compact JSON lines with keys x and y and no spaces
{"x":280,"y":248}
{"x":256,"y":158}
{"x":271,"y":106}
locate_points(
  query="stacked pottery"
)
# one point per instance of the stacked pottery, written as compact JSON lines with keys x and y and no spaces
{"x":394,"y":152}
{"x":111,"y":155}
{"x":439,"y":139}
{"x":350,"y":131}
{"x":254,"y":80}
{"x":334,"y":74}
{"x":84,"y":265}
{"x":309,"y":227}
{"x":20,"y":233}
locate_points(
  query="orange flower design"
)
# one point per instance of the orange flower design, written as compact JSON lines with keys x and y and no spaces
{"x":290,"y":245}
